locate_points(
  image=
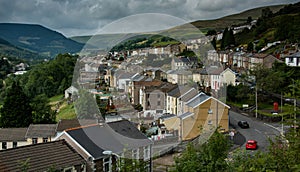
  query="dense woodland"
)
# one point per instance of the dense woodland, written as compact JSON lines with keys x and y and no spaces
{"x":270,"y":27}
{"x":25,"y":98}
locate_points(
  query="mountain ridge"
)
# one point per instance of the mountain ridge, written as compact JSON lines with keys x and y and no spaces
{"x":38,"y":39}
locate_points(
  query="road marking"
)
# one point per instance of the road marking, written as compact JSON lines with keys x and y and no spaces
{"x":257,"y":130}
{"x":272,"y":127}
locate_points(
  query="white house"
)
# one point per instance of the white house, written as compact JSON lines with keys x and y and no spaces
{"x":228,"y":77}
{"x":293,"y":60}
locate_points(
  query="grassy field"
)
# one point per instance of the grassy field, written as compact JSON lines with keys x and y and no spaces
{"x":65,"y":110}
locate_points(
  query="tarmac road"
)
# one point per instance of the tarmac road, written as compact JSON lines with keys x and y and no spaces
{"x":258,"y":130}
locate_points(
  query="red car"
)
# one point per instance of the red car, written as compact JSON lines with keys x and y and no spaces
{"x":251,"y":144}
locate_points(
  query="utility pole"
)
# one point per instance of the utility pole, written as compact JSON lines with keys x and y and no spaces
{"x":281,"y":114}
{"x":256,"y":101}
{"x":295,"y":114}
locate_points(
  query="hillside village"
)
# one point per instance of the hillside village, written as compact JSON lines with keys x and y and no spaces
{"x":139,"y":104}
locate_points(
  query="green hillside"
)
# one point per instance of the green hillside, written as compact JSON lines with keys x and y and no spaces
{"x":38,"y":39}
{"x":234,"y":19}
{"x":7,"y":49}
{"x":280,"y":26}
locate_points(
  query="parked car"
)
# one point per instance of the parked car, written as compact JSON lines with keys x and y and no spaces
{"x":251,"y":144}
{"x":243,"y":124}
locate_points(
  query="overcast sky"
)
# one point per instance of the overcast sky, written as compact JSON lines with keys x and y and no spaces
{"x":86,"y":17}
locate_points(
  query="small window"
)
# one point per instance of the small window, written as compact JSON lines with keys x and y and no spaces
{"x":158,"y":103}
{"x":15,"y":144}
{"x":34,"y":140}
{"x":68,"y":170}
{"x":209,"y":122}
{"x":158,"y":95}
{"x":210,"y":111}
{"x":146,"y":152}
{"x":45,"y":140}
{"x":107,"y":164}
{"x":135,"y":154}
{"x":4,"y":145}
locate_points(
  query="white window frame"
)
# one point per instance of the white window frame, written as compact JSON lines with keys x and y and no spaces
{"x":4,"y":145}
{"x":34,"y":140}
{"x":15,"y":144}
{"x":45,"y":139}
{"x":147,"y":152}
{"x":135,"y":153}
{"x":107,"y":162}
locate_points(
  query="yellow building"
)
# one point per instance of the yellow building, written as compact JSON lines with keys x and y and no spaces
{"x":201,"y":113}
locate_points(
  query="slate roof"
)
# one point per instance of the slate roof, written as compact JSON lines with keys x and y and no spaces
{"x":64,"y":124}
{"x":126,"y":75}
{"x":41,"y":130}
{"x":185,"y":115}
{"x":166,"y":116}
{"x":182,"y":59}
{"x":200,"y":98}
{"x":179,"y":90}
{"x":189,"y":95}
{"x":115,"y":136}
{"x":40,"y":157}
{"x":214,"y":70}
{"x":293,"y":55}
{"x":127,"y":128}
{"x":12,"y":134}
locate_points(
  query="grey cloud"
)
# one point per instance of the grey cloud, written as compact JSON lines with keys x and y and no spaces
{"x":79,"y":16}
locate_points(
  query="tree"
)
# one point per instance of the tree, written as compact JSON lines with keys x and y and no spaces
{"x":41,"y":110}
{"x":271,"y":80}
{"x":266,"y":13}
{"x":214,"y":43}
{"x":249,"y":19}
{"x":227,"y":39}
{"x":250,"y":47}
{"x":211,"y":32}
{"x":208,"y":157}
{"x":16,"y":110}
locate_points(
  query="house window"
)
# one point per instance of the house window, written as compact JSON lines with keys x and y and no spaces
{"x":291,"y":60}
{"x":158,"y":103}
{"x":68,"y":169}
{"x":45,"y":140}
{"x":210,"y":111}
{"x":15,"y":144}
{"x":209,"y":122}
{"x":107,"y":164}
{"x":158,"y":96}
{"x":135,"y":154}
{"x":34,"y":140}
{"x":147,"y":167}
{"x":146,"y":152}
{"x":4,"y":145}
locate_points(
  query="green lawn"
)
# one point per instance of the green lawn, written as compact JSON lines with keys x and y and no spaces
{"x":66,"y":112}
{"x":56,"y":98}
